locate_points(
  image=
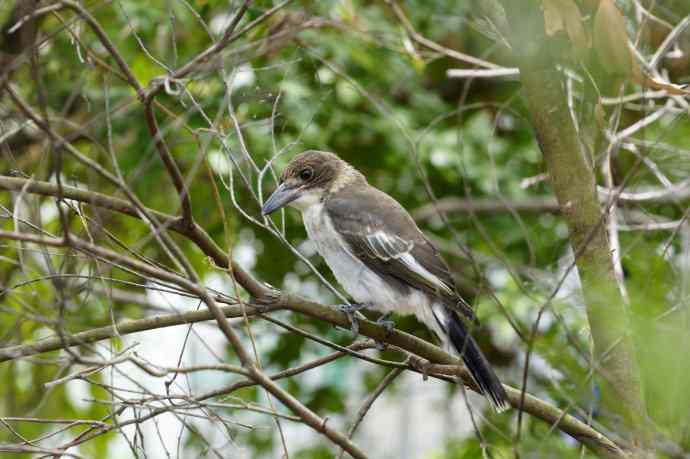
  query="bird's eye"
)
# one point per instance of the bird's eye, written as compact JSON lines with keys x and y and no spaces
{"x":306,"y":174}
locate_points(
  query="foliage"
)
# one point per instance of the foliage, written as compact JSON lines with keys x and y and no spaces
{"x":347,"y":79}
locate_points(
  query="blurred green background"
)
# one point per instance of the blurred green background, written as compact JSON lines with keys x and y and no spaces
{"x":353,"y":83}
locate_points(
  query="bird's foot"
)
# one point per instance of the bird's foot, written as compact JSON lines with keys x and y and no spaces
{"x":350,"y":310}
{"x":385,"y":322}
{"x":389,"y":325}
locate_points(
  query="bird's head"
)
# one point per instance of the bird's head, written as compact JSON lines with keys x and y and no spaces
{"x":308,"y":178}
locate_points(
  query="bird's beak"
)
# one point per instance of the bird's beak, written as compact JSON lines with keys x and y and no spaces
{"x":281,"y":197}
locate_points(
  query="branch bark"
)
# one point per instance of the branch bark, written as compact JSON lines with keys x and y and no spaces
{"x":594,"y":440}
{"x":543,"y":204}
{"x":588,"y":436}
{"x":574,"y":183}
{"x":119,"y":329}
{"x":254,"y":372}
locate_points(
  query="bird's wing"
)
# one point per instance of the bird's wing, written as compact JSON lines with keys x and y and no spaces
{"x":383,"y":235}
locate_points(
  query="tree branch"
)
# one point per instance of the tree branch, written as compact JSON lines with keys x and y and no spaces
{"x":544,"y":204}
{"x":122,"y":328}
{"x":255,"y":373}
{"x":532,"y":405}
{"x":366,"y":406}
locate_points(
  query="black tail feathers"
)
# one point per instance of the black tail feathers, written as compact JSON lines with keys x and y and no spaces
{"x":475,"y":361}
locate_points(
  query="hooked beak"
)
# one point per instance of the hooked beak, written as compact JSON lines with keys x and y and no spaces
{"x":282,"y":196}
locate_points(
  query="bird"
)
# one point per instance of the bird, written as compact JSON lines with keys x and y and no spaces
{"x":378,"y":254}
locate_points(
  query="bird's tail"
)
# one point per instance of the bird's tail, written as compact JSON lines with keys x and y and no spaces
{"x":473,"y":358}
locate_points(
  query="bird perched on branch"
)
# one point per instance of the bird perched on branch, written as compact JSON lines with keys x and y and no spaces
{"x":380,"y":256}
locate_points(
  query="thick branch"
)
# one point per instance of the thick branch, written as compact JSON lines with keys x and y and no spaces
{"x":538,"y":408}
{"x":82,"y":195}
{"x":194,"y":233}
{"x":119,"y":329}
{"x":544,"y":204}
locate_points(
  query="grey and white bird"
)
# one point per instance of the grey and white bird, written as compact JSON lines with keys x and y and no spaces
{"x":379,"y":255}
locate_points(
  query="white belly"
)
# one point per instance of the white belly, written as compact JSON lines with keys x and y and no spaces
{"x":360,"y":282}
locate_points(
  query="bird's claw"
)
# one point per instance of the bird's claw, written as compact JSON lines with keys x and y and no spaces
{"x":354,"y":325}
{"x":386,"y":322}
{"x":350,"y":310}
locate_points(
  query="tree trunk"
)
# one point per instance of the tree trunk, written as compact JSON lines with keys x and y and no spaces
{"x":574,"y":183}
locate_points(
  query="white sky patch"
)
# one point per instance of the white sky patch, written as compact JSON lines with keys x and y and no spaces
{"x":247,"y":249}
{"x":292,"y":282}
{"x":307,"y":248}
{"x":243,"y":76}
{"x":404,"y":436}
{"x":409,"y":47}
{"x":310,"y":289}
{"x":441,"y":158}
{"x":166,"y":347}
{"x":570,"y":290}
{"x":49,"y":211}
{"x":219,"y":162}
{"x":78,"y":393}
{"x":220,"y":22}
{"x":245,"y":255}
{"x":498,"y":277}
{"x":218,"y":282}
{"x":540,"y":366}
{"x":168,"y":300}
{"x":325,"y":75}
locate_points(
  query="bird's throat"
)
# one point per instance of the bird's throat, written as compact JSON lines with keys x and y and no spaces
{"x":307,"y":199}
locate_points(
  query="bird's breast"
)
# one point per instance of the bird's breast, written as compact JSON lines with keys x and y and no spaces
{"x":358,"y":280}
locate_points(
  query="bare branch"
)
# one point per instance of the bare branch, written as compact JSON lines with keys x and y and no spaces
{"x":410,"y":343}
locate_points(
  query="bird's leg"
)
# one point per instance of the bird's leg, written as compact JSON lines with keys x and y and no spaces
{"x":388,"y":324}
{"x":350,"y":310}
{"x":352,"y":307}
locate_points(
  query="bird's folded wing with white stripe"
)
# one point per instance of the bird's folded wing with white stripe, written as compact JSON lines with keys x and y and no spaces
{"x":385,"y":237}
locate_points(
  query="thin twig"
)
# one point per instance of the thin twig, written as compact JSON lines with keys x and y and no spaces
{"x":366,"y":406}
